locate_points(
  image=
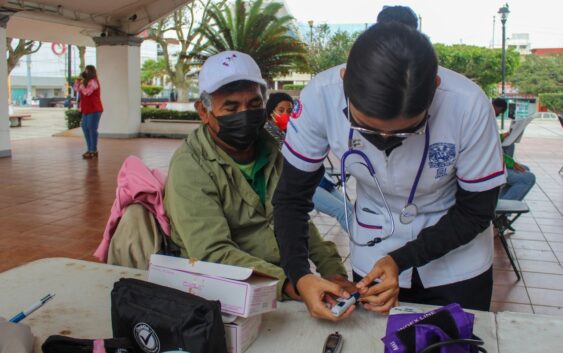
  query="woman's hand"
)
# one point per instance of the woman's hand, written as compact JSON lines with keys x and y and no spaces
{"x":380,"y":297}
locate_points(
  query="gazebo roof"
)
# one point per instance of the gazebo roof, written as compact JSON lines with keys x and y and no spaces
{"x":77,"y":21}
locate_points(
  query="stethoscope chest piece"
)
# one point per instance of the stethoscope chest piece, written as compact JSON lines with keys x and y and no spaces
{"x":408,"y":213}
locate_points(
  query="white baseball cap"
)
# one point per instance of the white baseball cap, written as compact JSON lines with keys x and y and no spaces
{"x":226,"y":67}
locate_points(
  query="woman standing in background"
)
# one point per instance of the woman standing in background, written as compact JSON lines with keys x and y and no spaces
{"x":91,"y":108}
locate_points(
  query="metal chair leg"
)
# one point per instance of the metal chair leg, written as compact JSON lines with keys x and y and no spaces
{"x":507,"y":250}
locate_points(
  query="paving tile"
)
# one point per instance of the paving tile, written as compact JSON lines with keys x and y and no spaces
{"x":526,"y":235}
{"x":551,"y":228}
{"x":548,"y":310}
{"x":513,"y":307}
{"x":543,"y":280}
{"x":541,"y":267}
{"x":506,"y":278}
{"x":554,"y":237}
{"x":547,"y":297}
{"x":530,"y":244}
{"x":559,"y":256}
{"x":540,"y":255}
{"x":510,"y":294}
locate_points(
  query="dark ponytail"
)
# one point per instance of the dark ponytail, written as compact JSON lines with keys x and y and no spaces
{"x":391,"y":72}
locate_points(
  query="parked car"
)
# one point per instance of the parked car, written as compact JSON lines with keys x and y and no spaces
{"x":545,"y":115}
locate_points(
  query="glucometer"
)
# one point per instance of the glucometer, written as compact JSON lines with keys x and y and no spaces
{"x":344,"y":304}
{"x":333,"y":343}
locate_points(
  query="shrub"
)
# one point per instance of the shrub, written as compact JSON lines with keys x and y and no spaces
{"x":73,"y":117}
{"x":151,"y":90}
{"x":292,"y":87}
{"x":552,"y":101}
{"x":153,"y":113}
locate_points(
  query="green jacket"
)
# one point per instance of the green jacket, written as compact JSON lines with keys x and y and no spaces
{"x":216,"y":216}
{"x":508,"y":161}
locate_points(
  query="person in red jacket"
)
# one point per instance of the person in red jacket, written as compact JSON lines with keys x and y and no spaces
{"x":91,"y":108}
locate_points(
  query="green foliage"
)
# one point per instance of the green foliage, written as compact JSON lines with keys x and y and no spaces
{"x":552,"y":101}
{"x":482,"y":65}
{"x":165,"y":114}
{"x":72,"y":117}
{"x":185,"y":25}
{"x":540,"y":74}
{"x":255,"y":29}
{"x":151,"y":90}
{"x":152,"y":69}
{"x":293,"y":87}
{"x":328,"y":50}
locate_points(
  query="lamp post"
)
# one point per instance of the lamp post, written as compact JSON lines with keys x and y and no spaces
{"x":310,"y":22}
{"x":503,"y":12}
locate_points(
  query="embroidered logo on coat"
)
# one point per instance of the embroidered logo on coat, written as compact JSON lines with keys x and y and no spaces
{"x":440,"y":156}
{"x":297,"y":109}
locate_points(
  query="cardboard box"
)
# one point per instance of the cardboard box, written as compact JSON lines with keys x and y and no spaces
{"x":241,"y":291}
{"x":241,"y":333}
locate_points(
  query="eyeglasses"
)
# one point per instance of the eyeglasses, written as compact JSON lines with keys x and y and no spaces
{"x":420,"y":129}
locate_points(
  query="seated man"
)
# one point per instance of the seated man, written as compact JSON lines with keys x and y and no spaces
{"x":222,"y":178}
{"x":500,"y":106}
{"x":519,"y":179}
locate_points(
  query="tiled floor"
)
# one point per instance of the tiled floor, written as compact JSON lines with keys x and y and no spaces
{"x":53,"y":203}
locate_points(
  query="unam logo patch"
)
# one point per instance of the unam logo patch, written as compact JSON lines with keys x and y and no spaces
{"x":440,"y":156}
{"x":146,"y":338}
{"x":297,"y":109}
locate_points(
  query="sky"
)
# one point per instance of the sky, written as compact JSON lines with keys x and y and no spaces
{"x":449,"y":22}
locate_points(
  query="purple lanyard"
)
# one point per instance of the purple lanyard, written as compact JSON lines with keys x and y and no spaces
{"x":421,"y":167}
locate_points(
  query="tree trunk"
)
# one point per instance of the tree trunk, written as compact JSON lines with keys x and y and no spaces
{"x":182,"y":91}
{"x":82,"y":57}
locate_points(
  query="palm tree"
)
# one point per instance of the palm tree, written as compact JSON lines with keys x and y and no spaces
{"x":253,"y":28}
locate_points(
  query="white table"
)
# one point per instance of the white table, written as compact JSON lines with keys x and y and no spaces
{"x":81,"y":309}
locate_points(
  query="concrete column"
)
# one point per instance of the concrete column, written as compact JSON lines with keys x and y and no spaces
{"x":5,"y":146}
{"x":119,"y":71}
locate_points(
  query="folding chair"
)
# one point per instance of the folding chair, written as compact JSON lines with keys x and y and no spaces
{"x":506,"y":213}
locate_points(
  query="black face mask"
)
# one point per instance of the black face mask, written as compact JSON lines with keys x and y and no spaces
{"x":382,"y":143}
{"x":240,"y":130}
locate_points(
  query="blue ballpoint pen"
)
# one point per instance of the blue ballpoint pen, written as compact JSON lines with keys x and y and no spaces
{"x":23,"y":314}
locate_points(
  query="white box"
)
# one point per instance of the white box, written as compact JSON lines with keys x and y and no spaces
{"x":241,"y":291}
{"x":241,"y":333}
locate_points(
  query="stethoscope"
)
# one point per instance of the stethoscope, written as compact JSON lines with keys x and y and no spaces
{"x":409,"y":211}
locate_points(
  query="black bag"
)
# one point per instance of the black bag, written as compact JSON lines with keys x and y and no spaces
{"x":159,"y":319}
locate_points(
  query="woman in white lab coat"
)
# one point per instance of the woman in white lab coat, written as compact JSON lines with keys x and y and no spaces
{"x":423,"y":146}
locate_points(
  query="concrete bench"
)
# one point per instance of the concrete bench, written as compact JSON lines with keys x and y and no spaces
{"x":16,"y":120}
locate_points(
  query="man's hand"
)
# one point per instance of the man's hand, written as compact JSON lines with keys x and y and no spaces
{"x":519,"y":168}
{"x":316,"y":293}
{"x":383,"y":296}
{"x":343,"y":282}
{"x":290,"y":291}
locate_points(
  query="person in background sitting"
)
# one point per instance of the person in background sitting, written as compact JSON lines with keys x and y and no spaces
{"x":327,"y":198}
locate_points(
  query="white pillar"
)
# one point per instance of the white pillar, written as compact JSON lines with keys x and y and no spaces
{"x":119,"y":71}
{"x":5,"y":146}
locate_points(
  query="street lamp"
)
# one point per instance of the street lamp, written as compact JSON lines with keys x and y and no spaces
{"x":310,"y":22}
{"x":503,"y":12}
